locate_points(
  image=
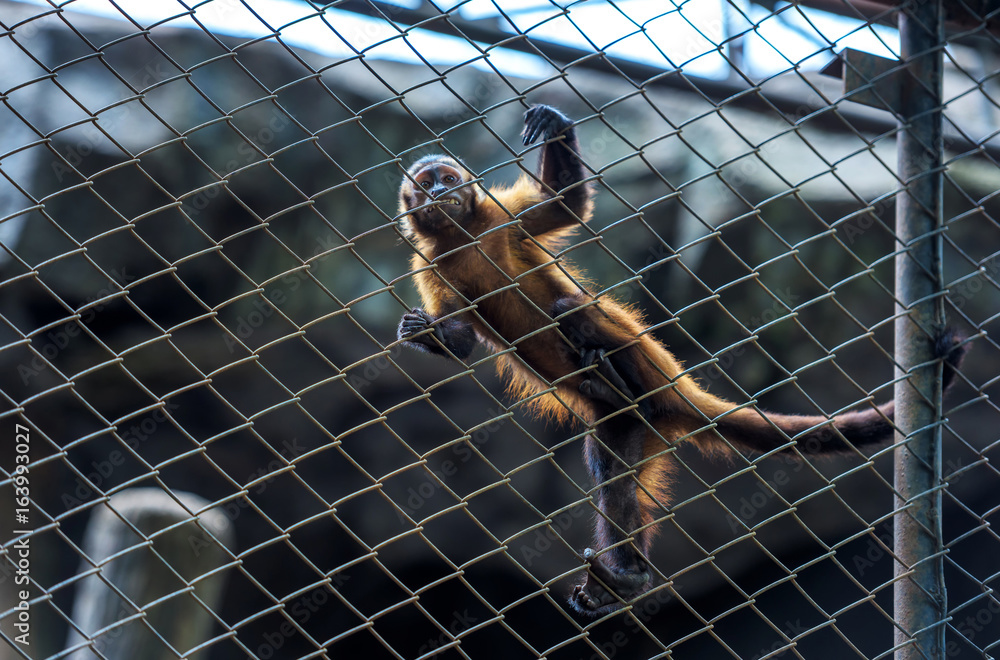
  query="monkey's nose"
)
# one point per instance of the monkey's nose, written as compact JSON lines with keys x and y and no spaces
{"x":437,"y":191}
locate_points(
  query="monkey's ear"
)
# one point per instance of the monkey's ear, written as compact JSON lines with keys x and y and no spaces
{"x":405,"y":199}
{"x":477,"y":198}
{"x":407,"y":194}
{"x":406,"y":202}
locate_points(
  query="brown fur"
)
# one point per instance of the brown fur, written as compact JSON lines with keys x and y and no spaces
{"x":488,"y":263}
{"x":512,"y":280}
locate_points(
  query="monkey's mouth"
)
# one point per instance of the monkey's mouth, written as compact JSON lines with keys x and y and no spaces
{"x":449,"y":200}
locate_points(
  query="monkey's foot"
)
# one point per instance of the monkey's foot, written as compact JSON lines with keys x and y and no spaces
{"x":951,"y":345}
{"x":606,"y":384}
{"x":593,"y":597}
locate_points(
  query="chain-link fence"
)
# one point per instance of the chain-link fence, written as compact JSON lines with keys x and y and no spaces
{"x":216,"y":445}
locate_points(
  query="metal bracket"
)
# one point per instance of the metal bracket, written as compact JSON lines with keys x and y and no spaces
{"x":869,"y":79}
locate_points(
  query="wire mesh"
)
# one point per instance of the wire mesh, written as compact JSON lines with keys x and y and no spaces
{"x":215,"y":445}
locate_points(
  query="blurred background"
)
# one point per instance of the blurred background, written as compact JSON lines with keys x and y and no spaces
{"x":201,"y":276}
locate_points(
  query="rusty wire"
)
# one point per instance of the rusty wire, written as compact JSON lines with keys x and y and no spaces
{"x":372,"y":493}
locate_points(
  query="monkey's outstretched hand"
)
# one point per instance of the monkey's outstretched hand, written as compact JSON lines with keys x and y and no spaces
{"x":545,"y":122}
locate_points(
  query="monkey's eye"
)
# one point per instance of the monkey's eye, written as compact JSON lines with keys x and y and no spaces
{"x":425,"y":184}
{"x":449,"y":179}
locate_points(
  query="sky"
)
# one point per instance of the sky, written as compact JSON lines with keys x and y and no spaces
{"x":671,"y":34}
{"x":679,"y":34}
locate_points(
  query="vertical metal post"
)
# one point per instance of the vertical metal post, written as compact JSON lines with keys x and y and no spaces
{"x":173,"y":580}
{"x":919,"y":592}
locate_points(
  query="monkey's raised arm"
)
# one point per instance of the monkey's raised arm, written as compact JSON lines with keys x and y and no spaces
{"x":560,"y":172}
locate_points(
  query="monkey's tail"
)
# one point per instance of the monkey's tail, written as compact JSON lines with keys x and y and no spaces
{"x":762,"y":432}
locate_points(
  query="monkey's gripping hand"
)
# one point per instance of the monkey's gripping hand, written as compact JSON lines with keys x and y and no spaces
{"x":597,"y":388}
{"x":545,"y":122}
{"x":453,"y":334}
{"x":415,"y":322}
{"x":607,"y":385}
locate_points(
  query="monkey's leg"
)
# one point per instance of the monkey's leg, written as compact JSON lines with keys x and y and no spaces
{"x":615,"y":382}
{"x":454,"y":334}
{"x":620,"y":573}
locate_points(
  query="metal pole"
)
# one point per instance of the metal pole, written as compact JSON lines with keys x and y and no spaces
{"x":919,"y":591}
{"x":172,"y":575}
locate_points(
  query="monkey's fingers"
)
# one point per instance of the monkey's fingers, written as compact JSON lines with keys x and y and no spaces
{"x":583,"y":601}
{"x":594,"y":386}
{"x":543,"y":121}
{"x":590,"y":357}
{"x":413,"y":320}
{"x":539,"y":128}
{"x":415,"y":324}
{"x":604,"y":589}
{"x":530,"y":133}
{"x":410,"y":325}
{"x":597,"y":567}
{"x":607,"y":369}
{"x":951,"y":345}
{"x":594,"y":592}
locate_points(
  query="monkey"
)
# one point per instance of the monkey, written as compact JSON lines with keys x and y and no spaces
{"x":484,"y":269}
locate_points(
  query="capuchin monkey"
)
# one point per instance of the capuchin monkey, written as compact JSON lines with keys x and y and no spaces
{"x":484,"y":269}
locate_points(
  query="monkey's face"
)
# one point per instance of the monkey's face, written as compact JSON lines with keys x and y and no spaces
{"x":436,"y":185}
